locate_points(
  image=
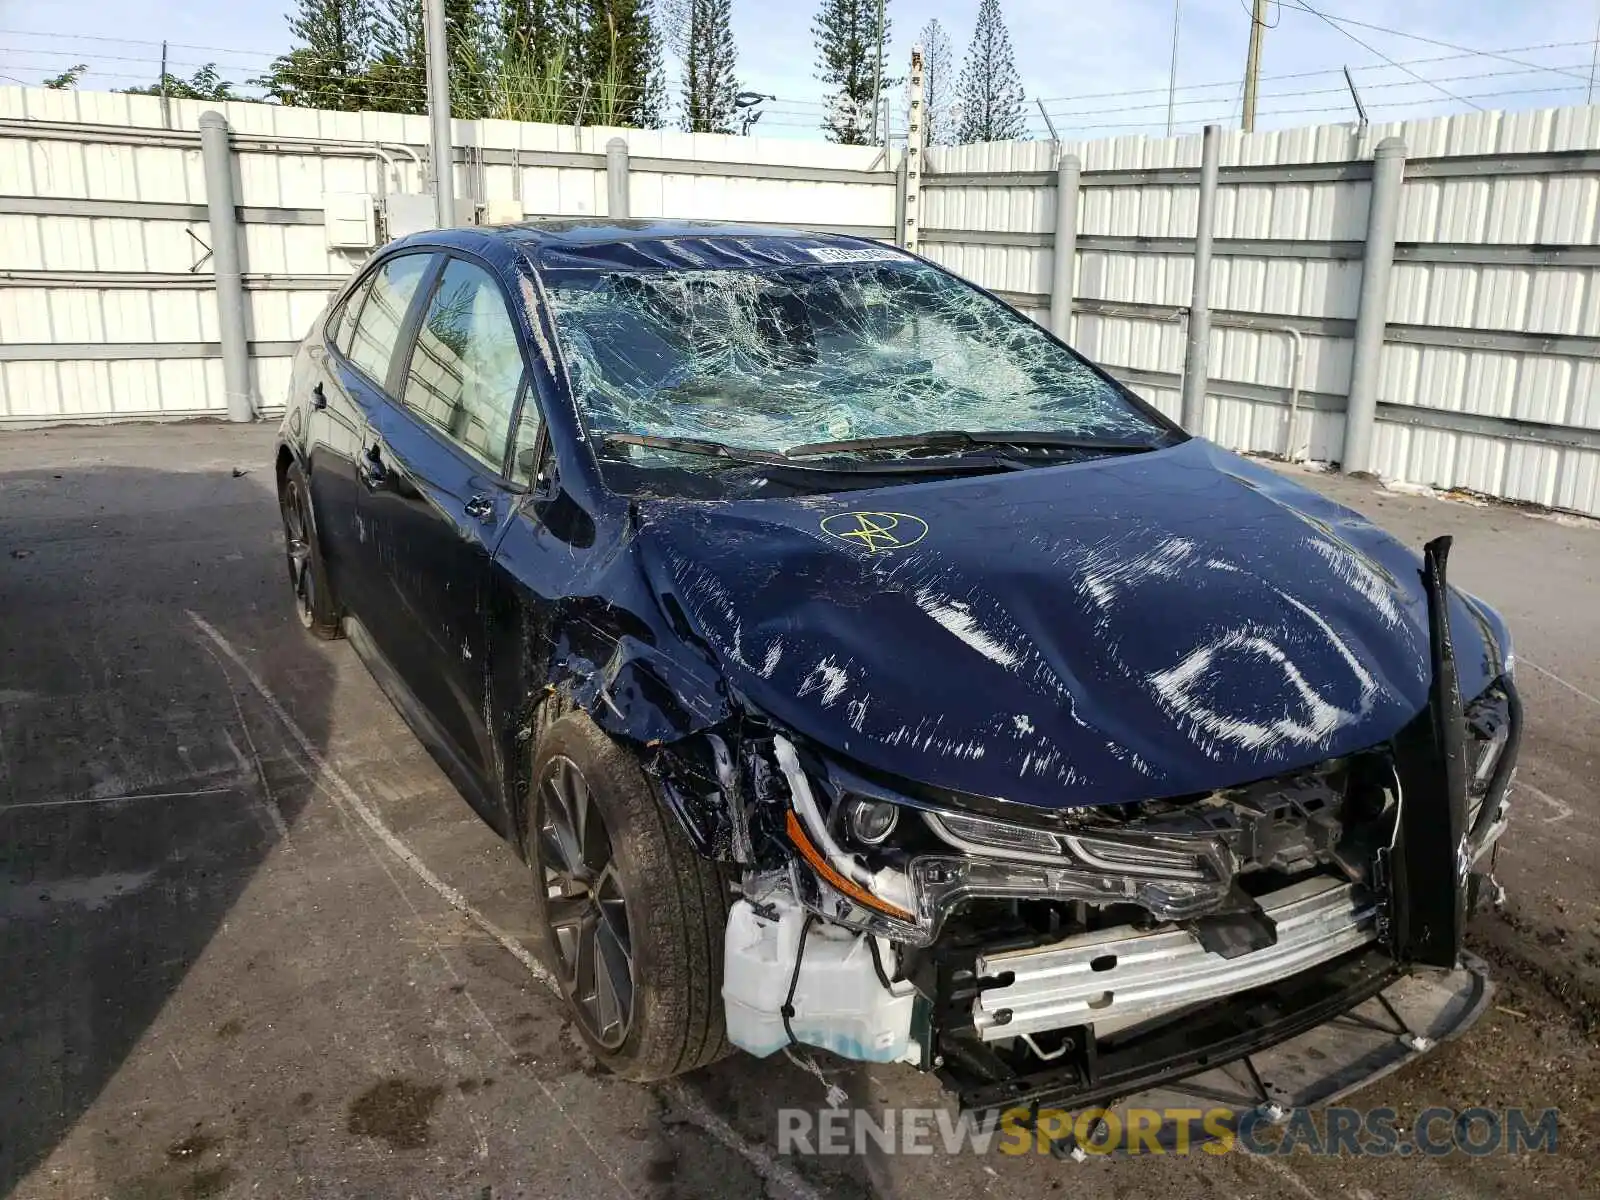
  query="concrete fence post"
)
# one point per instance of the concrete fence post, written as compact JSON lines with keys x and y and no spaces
{"x":1372,"y":312}
{"x":908,"y":215}
{"x":1066,"y":246}
{"x":217,"y":157}
{"x":901,"y":183}
{"x":1196,"y":358}
{"x":617,"y":177}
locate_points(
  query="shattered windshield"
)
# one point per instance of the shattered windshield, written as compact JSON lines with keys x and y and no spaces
{"x":777,"y":357}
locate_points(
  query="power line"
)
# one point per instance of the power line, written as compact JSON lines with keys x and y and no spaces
{"x":1370,"y":49}
{"x":1223,"y":118}
{"x":89,"y":37}
{"x":1333,"y":71}
{"x":1335,"y":91}
{"x":1303,"y":6}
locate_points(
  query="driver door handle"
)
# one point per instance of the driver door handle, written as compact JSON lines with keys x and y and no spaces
{"x":371,"y":469}
{"x":481,"y":508}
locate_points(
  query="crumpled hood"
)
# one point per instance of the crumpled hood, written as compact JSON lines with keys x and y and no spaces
{"x":1128,"y":628}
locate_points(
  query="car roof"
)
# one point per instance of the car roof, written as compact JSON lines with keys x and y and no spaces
{"x":605,"y":238}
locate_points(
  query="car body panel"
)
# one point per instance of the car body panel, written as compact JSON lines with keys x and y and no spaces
{"x":434,"y":561}
{"x":1108,"y":626}
{"x":1134,"y":627}
{"x":1124,"y":628}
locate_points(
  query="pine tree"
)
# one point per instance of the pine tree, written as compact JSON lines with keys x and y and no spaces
{"x":618,"y":54}
{"x":990,"y":93}
{"x":535,"y":27}
{"x":397,"y":81}
{"x":939,"y":126}
{"x":653,"y":109}
{"x":398,"y":78}
{"x":327,"y":67}
{"x":847,"y":59}
{"x":709,"y":85}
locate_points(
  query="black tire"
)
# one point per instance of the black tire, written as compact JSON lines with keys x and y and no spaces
{"x":674,"y":906}
{"x":308,"y":577}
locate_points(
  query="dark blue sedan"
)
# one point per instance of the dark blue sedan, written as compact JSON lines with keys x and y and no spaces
{"x":856,"y":666}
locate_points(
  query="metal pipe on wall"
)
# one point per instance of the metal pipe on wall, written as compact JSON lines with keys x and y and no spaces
{"x":1296,"y":365}
{"x":1068,"y":172}
{"x":1372,"y":311}
{"x":617,"y":177}
{"x":217,"y":158}
{"x":439,"y":139}
{"x":1196,"y":359}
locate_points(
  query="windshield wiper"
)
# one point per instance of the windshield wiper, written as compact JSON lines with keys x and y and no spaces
{"x":960,"y":439}
{"x":768,"y":458}
{"x":683,"y":445}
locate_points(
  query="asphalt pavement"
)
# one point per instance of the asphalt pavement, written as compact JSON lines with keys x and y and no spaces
{"x":252,"y":943}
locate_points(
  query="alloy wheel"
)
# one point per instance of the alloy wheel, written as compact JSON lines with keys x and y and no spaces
{"x":584,"y":905}
{"x":297,"y":542}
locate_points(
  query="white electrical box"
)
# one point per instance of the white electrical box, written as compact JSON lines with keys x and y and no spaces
{"x":408,"y":212}
{"x":348,"y":219}
{"x":412,"y":212}
{"x":502,"y":212}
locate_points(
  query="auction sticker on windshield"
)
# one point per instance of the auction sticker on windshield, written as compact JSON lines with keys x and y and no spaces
{"x":841,"y":254}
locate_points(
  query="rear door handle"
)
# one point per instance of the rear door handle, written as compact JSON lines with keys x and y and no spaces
{"x":481,"y":508}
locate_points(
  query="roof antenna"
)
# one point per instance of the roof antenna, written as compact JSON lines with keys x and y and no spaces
{"x":1361,"y":109}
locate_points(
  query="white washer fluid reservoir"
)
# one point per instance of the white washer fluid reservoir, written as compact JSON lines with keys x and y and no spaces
{"x":839,"y":1002}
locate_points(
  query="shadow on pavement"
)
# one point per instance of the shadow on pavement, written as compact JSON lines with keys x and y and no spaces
{"x":132,"y":811}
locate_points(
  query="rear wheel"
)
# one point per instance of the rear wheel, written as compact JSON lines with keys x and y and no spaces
{"x":313,"y":599}
{"x":631,"y":916}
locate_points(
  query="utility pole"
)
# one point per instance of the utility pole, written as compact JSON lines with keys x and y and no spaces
{"x":440,"y":148}
{"x":1594,"y":57}
{"x":877,"y":86}
{"x":1252,"y":66}
{"x":1172,"y":73}
{"x":166,"y":105}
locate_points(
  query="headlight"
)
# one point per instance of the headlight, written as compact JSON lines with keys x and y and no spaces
{"x":871,"y":821}
{"x":939,"y":884}
{"x":1489,"y":753}
{"x":1167,"y":858}
{"x":1492,"y":723}
{"x":861,"y":865}
{"x":980,"y":835}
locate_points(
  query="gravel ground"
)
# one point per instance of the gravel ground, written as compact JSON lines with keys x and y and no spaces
{"x":254,"y":944}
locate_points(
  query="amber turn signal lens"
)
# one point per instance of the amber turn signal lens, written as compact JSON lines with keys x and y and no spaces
{"x":836,"y":881}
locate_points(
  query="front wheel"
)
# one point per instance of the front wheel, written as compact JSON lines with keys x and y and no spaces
{"x":632,"y":918}
{"x":313,"y":599}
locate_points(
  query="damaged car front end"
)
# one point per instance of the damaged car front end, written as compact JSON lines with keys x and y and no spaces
{"x":1066,"y":781}
{"x":858,"y":667}
{"x":1111,"y":950}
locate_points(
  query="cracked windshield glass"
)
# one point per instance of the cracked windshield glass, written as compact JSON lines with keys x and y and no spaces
{"x":775,"y":358}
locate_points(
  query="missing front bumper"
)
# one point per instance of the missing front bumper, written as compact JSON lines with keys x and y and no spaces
{"x":1121,"y":976}
{"x":1304,"y":1040}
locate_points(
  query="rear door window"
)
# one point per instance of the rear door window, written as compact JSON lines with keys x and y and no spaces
{"x":467,"y":367}
{"x":378,"y":323}
{"x":345,"y":324}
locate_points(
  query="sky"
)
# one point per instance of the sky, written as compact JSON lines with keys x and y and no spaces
{"x":1102,"y":68}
